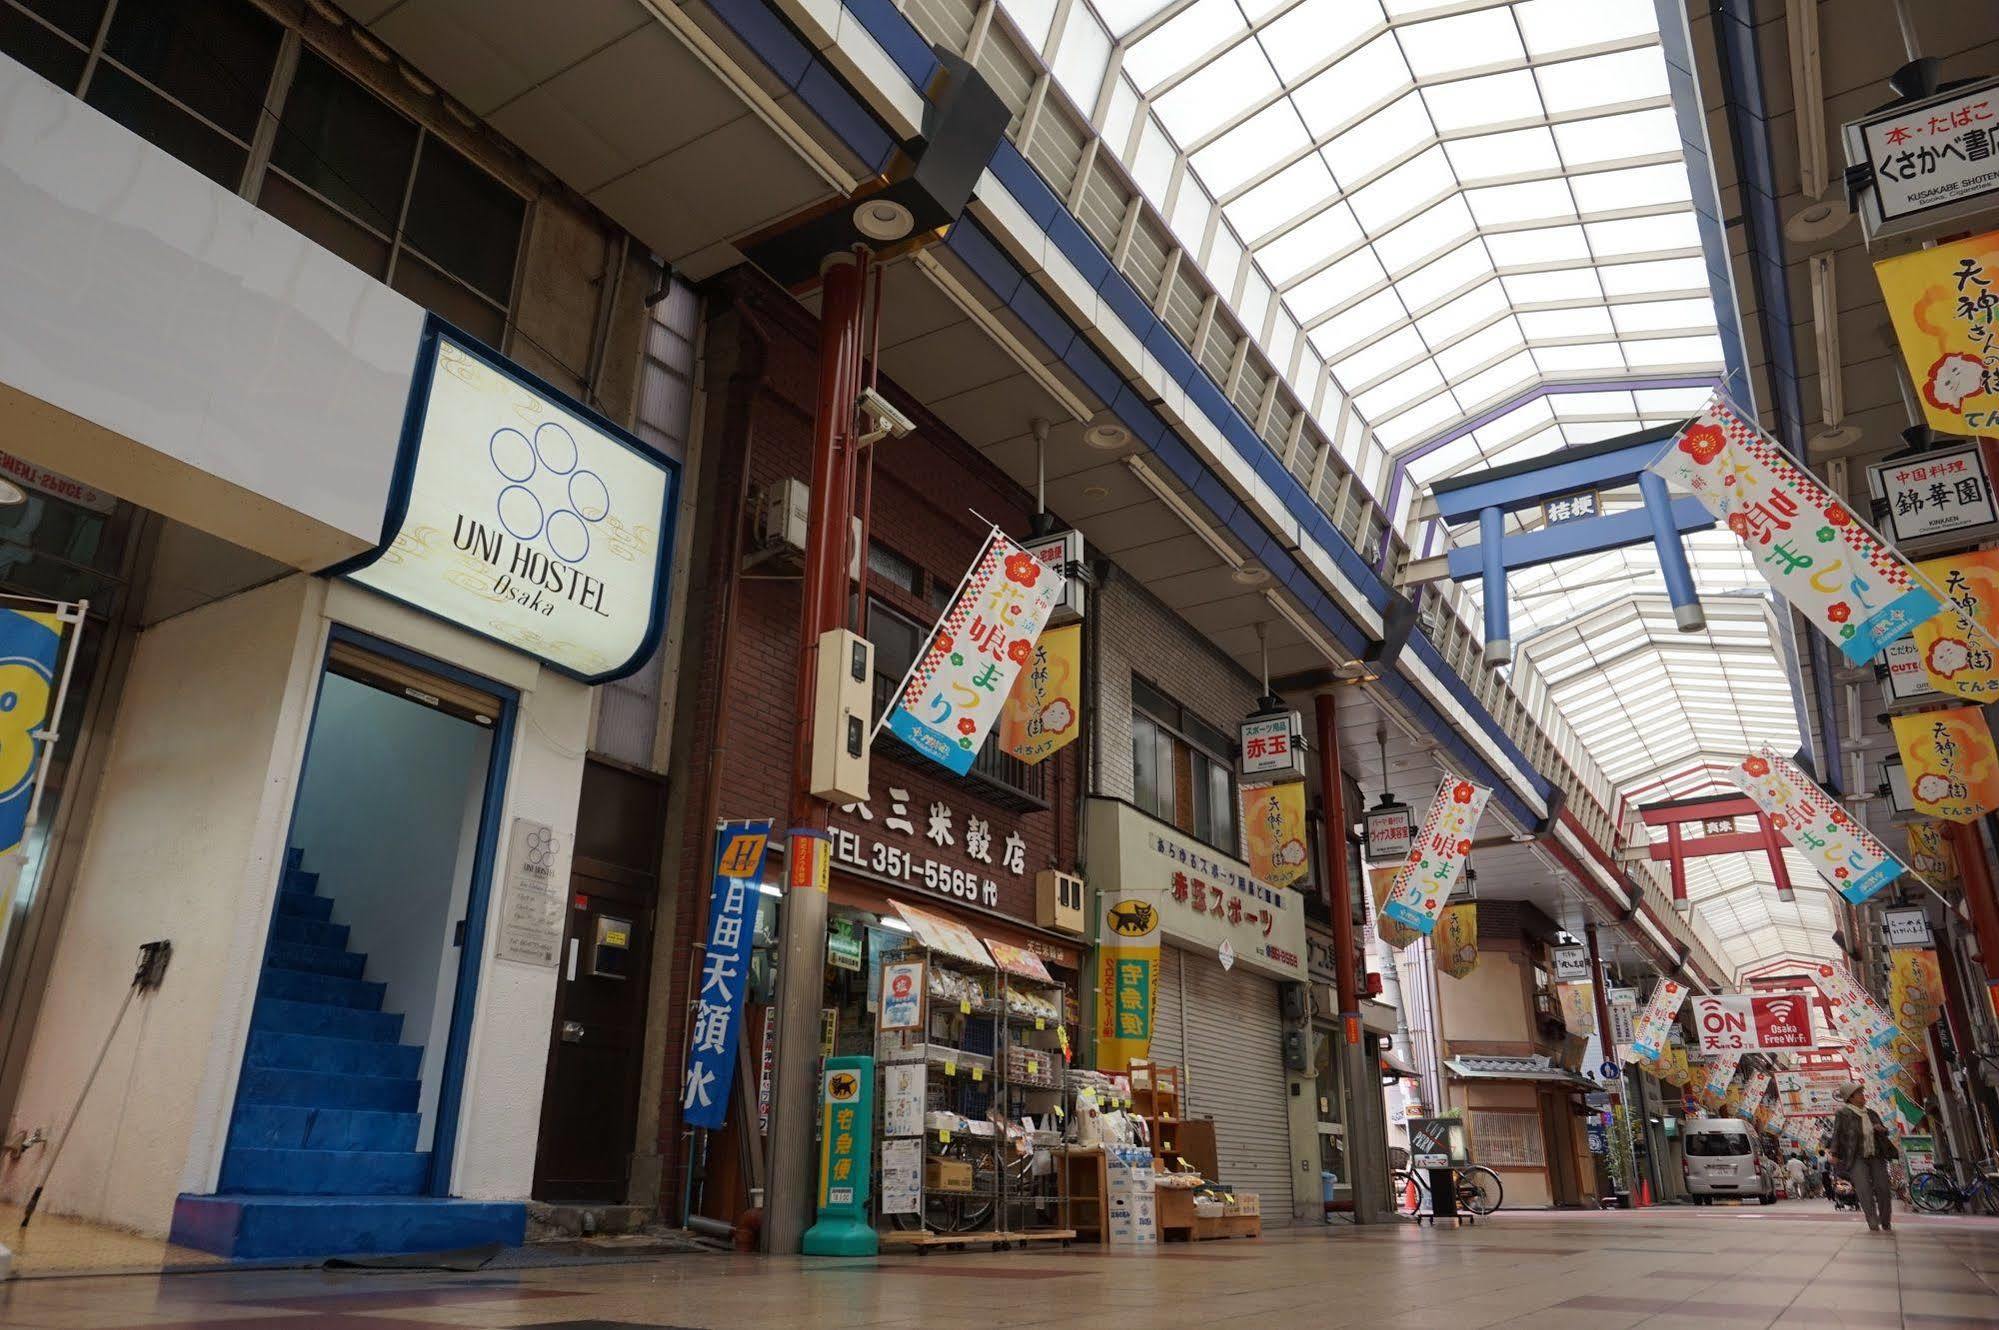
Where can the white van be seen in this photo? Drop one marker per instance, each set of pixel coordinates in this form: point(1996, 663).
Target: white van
point(1721, 1159)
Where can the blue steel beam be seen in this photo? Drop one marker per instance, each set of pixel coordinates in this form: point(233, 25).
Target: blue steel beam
point(1492, 540)
point(1607, 465)
point(1570, 540)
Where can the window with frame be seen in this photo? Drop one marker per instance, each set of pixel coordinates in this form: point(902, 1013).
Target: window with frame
point(1182, 771)
point(1504, 1140)
point(195, 78)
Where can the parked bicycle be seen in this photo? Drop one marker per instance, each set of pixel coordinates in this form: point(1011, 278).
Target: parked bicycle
point(1480, 1191)
point(1937, 1193)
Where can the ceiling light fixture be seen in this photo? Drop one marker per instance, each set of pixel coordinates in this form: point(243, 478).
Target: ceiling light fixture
point(1251, 574)
point(1096, 491)
point(883, 220)
point(1107, 438)
point(11, 494)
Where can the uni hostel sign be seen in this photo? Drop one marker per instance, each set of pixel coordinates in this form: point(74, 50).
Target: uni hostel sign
point(524, 516)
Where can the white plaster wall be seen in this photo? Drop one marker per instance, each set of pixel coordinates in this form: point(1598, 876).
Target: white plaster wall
point(185, 844)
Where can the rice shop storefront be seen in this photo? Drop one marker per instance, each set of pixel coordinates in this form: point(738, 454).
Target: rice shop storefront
point(1229, 1000)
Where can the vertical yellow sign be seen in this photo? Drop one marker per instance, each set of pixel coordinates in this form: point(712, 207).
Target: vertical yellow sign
point(1956, 644)
point(1128, 967)
point(1044, 709)
point(1457, 940)
point(1273, 829)
point(1948, 757)
point(1943, 303)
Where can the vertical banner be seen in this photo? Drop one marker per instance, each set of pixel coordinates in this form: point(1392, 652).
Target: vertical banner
point(725, 973)
point(1648, 1038)
point(1843, 851)
point(1949, 760)
point(30, 645)
point(1578, 1007)
point(1956, 644)
point(1915, 988)
point(1128, 967)
point(955, 689)
point(1853, 1006)
point(1623, 1004)
point(1438, 857)
point(1720, 1072)
point(1457, 940)
point(1273, 830)
point(1821, 558)
point(1044, 710)
point(1380, 882)
point(1943, 305)
point(1930, 852)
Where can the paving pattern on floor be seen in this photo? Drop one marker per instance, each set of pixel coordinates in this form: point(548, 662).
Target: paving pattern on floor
point(1794, 1265)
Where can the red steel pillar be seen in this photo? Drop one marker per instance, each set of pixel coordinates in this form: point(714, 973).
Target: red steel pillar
point(1326, 711)
point(1975, 869)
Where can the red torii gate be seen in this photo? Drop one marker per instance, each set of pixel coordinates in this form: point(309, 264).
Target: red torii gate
point(1673, 814)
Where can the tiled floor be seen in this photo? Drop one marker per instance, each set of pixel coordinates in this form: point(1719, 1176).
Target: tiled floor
point(1795, 1265)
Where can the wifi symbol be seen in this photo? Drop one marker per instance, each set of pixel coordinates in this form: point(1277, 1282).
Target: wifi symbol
point(1783, 1009)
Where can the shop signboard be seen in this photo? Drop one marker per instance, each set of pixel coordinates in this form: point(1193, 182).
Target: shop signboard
point(1438, 857)
point(1929, 162)
point(1572, 507)
point(522, 515)
point(766, 1070)
point(1844, 852)
point(34, 476)
point(1438, 1143)
point(1915, 988)
point(1942, 304)
point(1906, 926)
point(1662, 1009)
point(1934, 496)
point(1753, 1022)
point(1062, 551)
point(1390, 831)
point(1930, 851)
point(902, 995)
point(987, 852)
point(535, 903)
point(1128, 960)
point(846, 1149)
point(1957, 645)
point(1578, 1005)
point(1623, 1004)
point(1850, 583)
point(1456, 937)
point(1905, 680)
point(953, 693)
point(30, 649)
point(1572, 965)
point(725, 973)
point(1273, 832)
point(1044, 710)
point(1273, 748)
point(1948, 757)
point(843, 945)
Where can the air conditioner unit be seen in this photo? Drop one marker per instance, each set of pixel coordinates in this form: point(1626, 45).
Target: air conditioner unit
point(783, 517)
point(1058, 901)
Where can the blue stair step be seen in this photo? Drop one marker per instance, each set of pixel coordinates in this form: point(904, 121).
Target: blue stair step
point(297, 879)
point(255, 1172)
point(317, 960)
point(278, 1127)
point(298, 905)
point(294, 856)
point(355, 1057)
point(309, 932)
point(303, 986)
point(319, 1089)
point(285, 1017)
point(270, 1227)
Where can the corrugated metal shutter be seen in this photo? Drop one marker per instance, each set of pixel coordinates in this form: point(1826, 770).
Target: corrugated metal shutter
point(1234, 1068)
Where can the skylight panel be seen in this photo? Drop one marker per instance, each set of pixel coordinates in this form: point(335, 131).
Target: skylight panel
point(1639, 187)
point(1521, 420)
point(1124, 15)
point(1463, 265)
point(1463, 314)
point(1081, 57)
point(1363, 323)
point(1564, 25)
point(1541, 200)
point(1336, 285)
point(1032, 17)
point(1568, 359)
point(1250, 148)
point(1389, 134)
point(1402, 390)
point(1464, 41)
point(1427, 235)
point(1224, 260)
point(1369, 76)
point(1492, 156)
point(1464, 357)
point(1613, 138)
point(1508, 376)
point(1674, 351)
point(1548, 324)
point(1625, 279)
point(1602, 80)
point(1655, 315)
point(1672, 401)
point(1286, 196)
point(1373, 359)
point(1410, 185)
point(1331, 231)
point(1596, 431)
point(1182, 40)
point(1570, 405)
point(1442, 461)
point(1191, 209)
point(1553, 244)
point(1316, 31)
point(1152, 165)
point(1221, 90)
point(1420, 421)
point(1644, 235)
point(1119, 115)
point(1494, 100)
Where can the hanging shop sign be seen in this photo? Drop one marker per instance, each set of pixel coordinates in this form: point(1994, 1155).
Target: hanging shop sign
point(1273, 832)
point(846, 1149)
point(1380, 882)
point(1572, 508)
point(30, 650)
point(1578, 1004)
point(1623, 1004)
point(1273, 748)
point(843, 945)
point(1753, 1023)
point(725, 973)
point(1807, 544)
point(1390, 831)
point(1915, 988)
point(1843, 852)
point(1662, 1009)
point(1948, 757)
point(1201, 897)
point(520, 514)
point(1906, 926)
point(1903, 678)
point(1930, 852)
point(1928, 163)
point(1957, 644)
point(898, 853)
point(1062, 551)
point(1424, 882)
point(1572, 965)
point(1457, 940)
point(902, 995)
point(1044, 709)
point(1943, 492)
point(1128, 962)
point(1942, 304)
point(955, 688)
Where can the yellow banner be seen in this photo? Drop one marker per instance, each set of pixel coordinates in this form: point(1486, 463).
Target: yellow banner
point(1956, 644)
point(1673, 1064)
point(1578, 1007)
point(1943, 302)
point(1043, 710)
point(1381, 881)
point(1930, 852)
point(1915, 988)
point(1950, 764)
point(1273, 827)
point(1457, 940)
point(1127, 973)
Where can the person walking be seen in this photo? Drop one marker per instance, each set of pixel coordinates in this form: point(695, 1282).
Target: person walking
point(1861, 1149)
point(1794, 1169)
point(1825, 1173)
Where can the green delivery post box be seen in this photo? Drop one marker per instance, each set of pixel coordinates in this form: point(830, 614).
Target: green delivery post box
point(846, 1153)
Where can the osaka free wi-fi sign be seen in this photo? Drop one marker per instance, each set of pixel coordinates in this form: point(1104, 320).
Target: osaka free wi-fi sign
point(521, 514)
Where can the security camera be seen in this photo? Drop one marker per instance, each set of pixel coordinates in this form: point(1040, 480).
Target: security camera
point(884, 421)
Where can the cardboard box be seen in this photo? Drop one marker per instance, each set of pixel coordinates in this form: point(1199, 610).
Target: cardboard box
point(953, 1175)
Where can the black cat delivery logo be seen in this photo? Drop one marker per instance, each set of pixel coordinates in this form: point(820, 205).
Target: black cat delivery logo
point(1133, 918)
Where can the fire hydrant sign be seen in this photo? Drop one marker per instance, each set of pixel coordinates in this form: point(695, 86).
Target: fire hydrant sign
point(955, 690)
point(1648, 1038)
point(1434, 865)
point(1753, 1023)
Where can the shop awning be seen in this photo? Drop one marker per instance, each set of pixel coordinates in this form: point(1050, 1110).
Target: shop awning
point(1539, 1067)
point(1393, 1065)
point(945, 935)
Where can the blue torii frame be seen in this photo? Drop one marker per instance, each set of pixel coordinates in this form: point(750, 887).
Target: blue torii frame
point(1491, 494)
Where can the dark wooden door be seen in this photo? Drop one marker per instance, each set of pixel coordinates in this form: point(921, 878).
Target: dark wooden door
point(596, 1051)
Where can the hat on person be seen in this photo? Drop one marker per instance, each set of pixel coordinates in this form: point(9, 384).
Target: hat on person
point(1847, 1091)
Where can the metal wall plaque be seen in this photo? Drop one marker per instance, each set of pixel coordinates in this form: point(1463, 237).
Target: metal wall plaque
point(534, 900)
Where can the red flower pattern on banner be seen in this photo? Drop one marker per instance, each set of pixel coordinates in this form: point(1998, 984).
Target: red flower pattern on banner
point(1023, 568)
point(1462, 794)
point(1837, 515)
point(967, 725)
point(1020, 650)
point(1756, 766)
point(944, 642)
point(1703, 443)
point(1839, 611)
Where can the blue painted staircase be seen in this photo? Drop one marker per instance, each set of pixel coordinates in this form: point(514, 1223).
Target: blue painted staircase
point(321, 1158)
